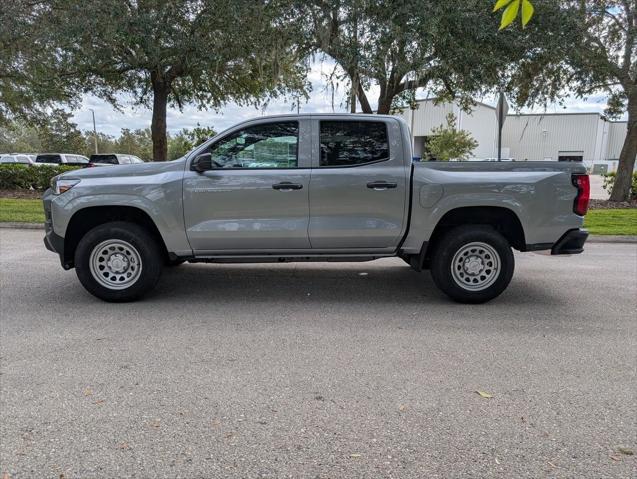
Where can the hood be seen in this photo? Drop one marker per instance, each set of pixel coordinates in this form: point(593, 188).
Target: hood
point(137, 169)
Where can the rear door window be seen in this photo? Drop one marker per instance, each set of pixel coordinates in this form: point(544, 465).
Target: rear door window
point(353, 143)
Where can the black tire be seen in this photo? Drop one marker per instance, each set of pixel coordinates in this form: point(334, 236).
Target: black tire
point(147, 252)
point(472, 263)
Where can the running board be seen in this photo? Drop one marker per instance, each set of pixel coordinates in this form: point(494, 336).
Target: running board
point(274, 258)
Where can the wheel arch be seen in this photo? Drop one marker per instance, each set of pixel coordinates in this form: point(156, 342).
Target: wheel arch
point(502, 219)
point(88, 218)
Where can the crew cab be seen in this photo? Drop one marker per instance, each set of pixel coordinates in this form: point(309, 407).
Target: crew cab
point(313, 188)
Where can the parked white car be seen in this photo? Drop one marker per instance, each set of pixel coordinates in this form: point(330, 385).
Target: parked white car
point(20, 158)
point(114, 159)
point(61, 159)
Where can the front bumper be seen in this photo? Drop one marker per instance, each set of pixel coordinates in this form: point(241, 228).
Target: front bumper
point(572, 242)
point(52, 241)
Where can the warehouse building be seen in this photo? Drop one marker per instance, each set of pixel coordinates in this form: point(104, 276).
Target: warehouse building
point(585, 137)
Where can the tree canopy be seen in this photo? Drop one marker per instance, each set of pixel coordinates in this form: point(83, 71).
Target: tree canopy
point(29, 81)
point(452, 49)
point(174, 52)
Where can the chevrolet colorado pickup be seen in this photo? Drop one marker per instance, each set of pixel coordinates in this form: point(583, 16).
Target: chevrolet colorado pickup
point(313, 188)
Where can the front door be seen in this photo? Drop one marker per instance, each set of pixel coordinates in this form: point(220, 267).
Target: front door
point(359, 186)
point(255, 199)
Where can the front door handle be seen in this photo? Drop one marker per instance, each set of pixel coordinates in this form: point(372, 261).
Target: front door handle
point(381, 185)
point(287, 186)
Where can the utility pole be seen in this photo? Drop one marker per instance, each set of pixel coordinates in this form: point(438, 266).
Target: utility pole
point(501, 111)
point(94, 130)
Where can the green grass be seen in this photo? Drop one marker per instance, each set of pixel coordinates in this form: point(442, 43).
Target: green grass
point(21, 211)
point(598, 222)
point(612, 222)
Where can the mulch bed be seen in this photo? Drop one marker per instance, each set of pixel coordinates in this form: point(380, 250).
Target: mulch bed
point(21, 194)
point(611, 205)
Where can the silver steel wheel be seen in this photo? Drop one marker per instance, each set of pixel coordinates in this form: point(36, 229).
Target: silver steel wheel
point(475, 266)
point(115, 264)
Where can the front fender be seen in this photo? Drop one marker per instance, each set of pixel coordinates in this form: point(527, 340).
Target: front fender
point(165, 212)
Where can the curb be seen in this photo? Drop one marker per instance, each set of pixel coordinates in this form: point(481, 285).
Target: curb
point(23, 226)
point(612, 239)
point(591, 238)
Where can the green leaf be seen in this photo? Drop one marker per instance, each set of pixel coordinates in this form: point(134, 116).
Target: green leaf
point(509, 14)
point(527, 12)
point(485, 395)
point(499, 4)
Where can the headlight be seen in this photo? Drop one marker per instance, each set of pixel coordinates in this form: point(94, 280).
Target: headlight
point(61, 185)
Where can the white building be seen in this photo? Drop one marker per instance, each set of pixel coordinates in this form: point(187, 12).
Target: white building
point(585, 137)
point(481, 123)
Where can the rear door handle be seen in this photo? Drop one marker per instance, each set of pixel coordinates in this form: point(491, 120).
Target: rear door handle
point(381, 185)
point(287, 186)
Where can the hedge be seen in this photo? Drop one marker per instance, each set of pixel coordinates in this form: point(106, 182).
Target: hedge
point(609, 181)
point(23, 177)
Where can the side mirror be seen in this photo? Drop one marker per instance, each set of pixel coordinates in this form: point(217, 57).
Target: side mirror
point(202, 163)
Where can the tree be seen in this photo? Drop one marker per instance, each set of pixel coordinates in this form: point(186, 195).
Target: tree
point(445, 47)
point(597, 55)
point(29, 83)
point(136, 142)
point(449, 143)
point(61, 135)
point(174, 52)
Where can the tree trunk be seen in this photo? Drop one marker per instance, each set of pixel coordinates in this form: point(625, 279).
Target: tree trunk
point(158, 124)
point(623, 180)
point(362, 99)
point(384, 104)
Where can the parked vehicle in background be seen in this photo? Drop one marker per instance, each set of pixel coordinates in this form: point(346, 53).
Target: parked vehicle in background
point(113, 159)
point(61, 159)
point(20, 158)
point(314, 188)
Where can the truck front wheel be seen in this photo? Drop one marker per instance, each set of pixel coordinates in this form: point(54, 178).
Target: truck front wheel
point(472, 264)
point(118, 261)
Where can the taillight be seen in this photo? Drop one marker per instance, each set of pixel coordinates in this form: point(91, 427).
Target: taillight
point(583, 185)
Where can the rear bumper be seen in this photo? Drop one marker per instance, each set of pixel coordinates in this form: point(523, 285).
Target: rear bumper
point(572, 242)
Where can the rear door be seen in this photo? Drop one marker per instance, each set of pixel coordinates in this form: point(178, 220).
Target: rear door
point(359, 185)
point(256, 198)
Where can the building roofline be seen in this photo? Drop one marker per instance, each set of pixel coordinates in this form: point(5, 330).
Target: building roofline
point(422, 100)
point(568, 113)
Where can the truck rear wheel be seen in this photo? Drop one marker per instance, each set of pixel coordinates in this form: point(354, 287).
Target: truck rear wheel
point(472, 264)
point(118, 261)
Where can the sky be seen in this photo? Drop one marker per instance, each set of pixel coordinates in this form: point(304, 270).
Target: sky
point(110, 121)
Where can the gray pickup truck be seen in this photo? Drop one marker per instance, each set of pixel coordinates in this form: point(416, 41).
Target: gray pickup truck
point(313, 188)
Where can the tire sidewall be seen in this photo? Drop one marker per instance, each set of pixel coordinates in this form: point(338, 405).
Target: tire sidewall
point(455, 239)
point(139, 238)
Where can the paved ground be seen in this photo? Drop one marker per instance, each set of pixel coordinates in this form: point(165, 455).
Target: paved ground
point(319, 370)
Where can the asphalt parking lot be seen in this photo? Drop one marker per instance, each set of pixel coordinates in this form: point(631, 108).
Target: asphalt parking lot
point(319, 371)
